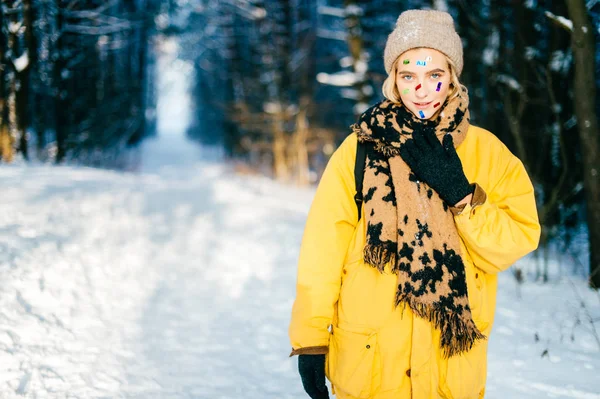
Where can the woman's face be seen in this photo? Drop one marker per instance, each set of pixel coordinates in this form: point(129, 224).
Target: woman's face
point(423, 81)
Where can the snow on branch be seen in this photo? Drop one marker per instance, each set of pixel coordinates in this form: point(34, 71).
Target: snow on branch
point(331, 34)
point(22, 62)
point(331, 11)
point(247, 9)
point(96, 30)
point(510, 82)
point(342, 79)
point(350, 10)
point(562, 21)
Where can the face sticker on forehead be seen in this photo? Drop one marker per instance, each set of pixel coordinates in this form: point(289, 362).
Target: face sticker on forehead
point(405, 62)
point(428, 58)
point(421, 63)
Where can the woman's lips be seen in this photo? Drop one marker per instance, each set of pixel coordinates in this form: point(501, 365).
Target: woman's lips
point(422, 105)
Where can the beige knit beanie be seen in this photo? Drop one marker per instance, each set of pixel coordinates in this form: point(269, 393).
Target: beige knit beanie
point(424, 28)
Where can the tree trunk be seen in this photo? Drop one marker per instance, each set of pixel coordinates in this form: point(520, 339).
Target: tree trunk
point(300, 141)
point(3, 91)
point(10, 134)
point(59, 87)
point(24, 78)
point(356, 48)
point(582, 43)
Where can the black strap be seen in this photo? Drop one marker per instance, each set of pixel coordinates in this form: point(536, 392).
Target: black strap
point(359, 172)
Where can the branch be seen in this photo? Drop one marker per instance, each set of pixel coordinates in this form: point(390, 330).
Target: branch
point(563, 22)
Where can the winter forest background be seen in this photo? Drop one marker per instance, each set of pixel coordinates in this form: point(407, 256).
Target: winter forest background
point(270, 87)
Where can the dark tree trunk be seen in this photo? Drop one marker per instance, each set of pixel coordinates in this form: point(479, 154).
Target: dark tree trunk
point(24, 78)
point(61, 122)
point(3, 91)
point(582, 43)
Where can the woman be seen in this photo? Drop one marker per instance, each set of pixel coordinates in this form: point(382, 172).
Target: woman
point(400, 303)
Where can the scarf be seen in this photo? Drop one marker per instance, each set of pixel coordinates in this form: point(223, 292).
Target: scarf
point(408, 224)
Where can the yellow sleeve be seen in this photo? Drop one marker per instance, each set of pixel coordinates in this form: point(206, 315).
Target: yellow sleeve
point(505, 227)
point(329, 229)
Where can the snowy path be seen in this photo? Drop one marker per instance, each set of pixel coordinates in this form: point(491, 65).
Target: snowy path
point(151, 286)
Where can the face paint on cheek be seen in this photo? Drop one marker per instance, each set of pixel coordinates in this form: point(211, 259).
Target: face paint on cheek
point(405, 91)
point(436, 105)
point(439, 86)
point(421, 114)
point(418, 86)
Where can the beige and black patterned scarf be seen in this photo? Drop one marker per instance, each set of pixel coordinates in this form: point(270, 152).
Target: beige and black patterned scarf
point(408, 224)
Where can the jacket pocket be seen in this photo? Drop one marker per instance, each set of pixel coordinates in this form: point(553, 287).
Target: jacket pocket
point(353, 363)
point(464, 376)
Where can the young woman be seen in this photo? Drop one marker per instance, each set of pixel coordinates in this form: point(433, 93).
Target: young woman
point(400, 303)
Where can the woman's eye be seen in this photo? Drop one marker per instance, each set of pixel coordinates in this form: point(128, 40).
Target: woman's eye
point(435, 75)
point(407, 77)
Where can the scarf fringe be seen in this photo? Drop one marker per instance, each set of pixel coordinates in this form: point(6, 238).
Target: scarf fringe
point(458, 335)
point(378, 256)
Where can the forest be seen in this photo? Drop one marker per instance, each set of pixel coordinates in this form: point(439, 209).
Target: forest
point(277, 84)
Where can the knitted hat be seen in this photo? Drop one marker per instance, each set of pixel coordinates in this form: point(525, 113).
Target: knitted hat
point(424, 28)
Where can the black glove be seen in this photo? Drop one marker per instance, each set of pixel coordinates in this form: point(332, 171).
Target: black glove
point(437, 164)
point(312, 372)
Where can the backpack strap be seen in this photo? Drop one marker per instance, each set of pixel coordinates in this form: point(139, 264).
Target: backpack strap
point(359, 172)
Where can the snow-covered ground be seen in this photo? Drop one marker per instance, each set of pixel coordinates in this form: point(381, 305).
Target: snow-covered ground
point(178, 281)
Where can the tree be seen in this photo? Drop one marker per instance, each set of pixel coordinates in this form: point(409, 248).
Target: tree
point(582, 43)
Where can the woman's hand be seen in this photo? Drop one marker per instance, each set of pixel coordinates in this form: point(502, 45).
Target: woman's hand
point(312, 372)
point(438, 165)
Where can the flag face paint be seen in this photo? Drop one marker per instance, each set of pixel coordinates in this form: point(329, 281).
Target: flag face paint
point(436, 105)
point(405, 62)
point(421, 63)
point(421, 114)
point(439, 86)
point(418, 86)
point(405, 91)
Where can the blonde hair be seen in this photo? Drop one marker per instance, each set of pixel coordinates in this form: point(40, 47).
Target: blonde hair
point(390, 89)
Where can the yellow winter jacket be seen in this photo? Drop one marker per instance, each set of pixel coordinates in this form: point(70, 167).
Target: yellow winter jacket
point(346, 308)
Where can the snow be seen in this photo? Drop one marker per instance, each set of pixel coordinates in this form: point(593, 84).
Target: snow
point(510, 81)
point(565, 22)
point(531, 4)
point(560, 62)
point(177, 281)
point(361, 67)
point(22, 62)
point(346, 62)
point(490, 52)
point(331, 11)
point(342, 78)
point(531, 52)
point(332, 34)
point(440, 5)
point(354, 10)
point(14, 27)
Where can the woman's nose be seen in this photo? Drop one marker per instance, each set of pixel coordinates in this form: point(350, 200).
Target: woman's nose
point(421, 91)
